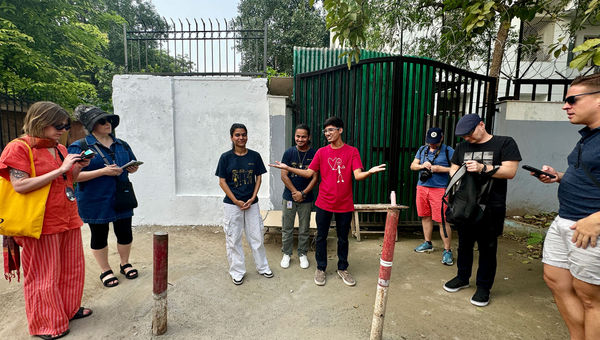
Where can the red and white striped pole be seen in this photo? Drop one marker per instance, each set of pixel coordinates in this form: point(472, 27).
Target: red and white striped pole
point(385, 269)
point(159, 290)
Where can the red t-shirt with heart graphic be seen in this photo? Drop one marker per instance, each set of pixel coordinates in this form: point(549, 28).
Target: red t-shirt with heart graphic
point(336, 167)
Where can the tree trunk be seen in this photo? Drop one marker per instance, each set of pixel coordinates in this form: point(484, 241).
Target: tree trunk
point(498, 54)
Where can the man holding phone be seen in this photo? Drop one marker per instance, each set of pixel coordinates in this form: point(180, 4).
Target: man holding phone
point(571, 268)
point(496, 159)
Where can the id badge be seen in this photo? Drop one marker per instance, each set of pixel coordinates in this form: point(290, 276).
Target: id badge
point(289, 204)
point(70, 194)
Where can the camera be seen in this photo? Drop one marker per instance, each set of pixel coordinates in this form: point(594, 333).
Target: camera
point(425, 174)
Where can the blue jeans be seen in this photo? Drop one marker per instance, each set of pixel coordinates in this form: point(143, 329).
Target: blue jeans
point(342, 226)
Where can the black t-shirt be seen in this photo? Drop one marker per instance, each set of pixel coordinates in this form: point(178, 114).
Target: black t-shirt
point(493, 152)
point(299, 160)
point(240, 173)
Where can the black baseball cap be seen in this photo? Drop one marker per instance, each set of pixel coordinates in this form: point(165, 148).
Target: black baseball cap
point(466, 124)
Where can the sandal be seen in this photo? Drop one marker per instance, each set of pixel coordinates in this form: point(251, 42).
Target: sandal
point(81, 313)
point(111, 282)
point(131, 274)
point(52, 337)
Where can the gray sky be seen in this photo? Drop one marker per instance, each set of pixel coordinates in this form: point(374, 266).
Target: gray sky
point(221, 9)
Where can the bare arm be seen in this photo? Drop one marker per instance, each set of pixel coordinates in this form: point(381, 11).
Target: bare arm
point(300, 172)
point(416, 166)
point(248, 203)
point(507, 170)
point(287, 181)
point(550, 170)
point(111, 170)
point(453, 169)
point(23, 184)
point(229, 193)
point(360, 175)
point(312, 184)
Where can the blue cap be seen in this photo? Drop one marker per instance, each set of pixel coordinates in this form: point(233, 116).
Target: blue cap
point(466, 124)
point(434, 135)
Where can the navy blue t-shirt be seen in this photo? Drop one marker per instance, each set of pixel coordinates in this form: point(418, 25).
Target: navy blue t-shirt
point(578, 196)
point(439, 179)
point(299, 160)
point(240, 173)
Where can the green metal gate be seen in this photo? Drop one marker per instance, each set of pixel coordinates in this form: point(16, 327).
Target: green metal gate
point(387, 104)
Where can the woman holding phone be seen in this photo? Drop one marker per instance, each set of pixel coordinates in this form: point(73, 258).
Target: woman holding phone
point(96, 189)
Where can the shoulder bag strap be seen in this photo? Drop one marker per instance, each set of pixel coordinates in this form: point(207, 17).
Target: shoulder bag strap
point(95, 146)
point(30, 156)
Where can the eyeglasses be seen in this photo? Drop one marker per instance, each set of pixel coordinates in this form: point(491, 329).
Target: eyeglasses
point(330, 130)
point(102, 121)
point(572, 99)
point(62, 126)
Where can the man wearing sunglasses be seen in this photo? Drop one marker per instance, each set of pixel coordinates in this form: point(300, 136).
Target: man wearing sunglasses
point(494, 160)
point(571, 268)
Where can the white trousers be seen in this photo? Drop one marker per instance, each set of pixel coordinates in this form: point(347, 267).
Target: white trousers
point(249, 221)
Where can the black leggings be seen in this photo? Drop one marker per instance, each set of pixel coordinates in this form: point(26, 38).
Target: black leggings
point(122, 229)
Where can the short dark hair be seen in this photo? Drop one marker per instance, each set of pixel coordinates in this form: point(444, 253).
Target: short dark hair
point(335, 121)
point(303, 126)
point(592, 82)
point(237, 126)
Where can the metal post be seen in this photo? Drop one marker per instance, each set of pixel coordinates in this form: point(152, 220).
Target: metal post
point(159, 291)
point(265, 51)
point(385, 269)
point(125, 45)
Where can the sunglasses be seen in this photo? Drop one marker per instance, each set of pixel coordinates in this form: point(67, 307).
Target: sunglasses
point(103, 121)
point(573, 99)
point(62, 126)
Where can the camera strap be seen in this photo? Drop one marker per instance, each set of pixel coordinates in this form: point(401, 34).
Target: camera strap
point(426, 154)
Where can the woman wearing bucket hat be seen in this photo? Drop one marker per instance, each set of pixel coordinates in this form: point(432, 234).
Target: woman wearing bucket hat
point(97, 187)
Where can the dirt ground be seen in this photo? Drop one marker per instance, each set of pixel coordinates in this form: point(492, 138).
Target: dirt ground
point(205, 304)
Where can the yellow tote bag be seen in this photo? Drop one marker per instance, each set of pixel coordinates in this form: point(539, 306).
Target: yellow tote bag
point(22, 214)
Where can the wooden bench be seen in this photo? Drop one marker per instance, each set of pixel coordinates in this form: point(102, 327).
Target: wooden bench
point(272, 219)
point(358, 208)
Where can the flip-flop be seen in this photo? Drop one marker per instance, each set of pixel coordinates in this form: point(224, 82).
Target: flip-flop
point(131, 274)
point(80, 313)
point(52, 337)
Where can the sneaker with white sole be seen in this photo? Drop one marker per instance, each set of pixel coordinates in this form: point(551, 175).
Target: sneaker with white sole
point(447, 257)
point(455, 285)
point(320, 277)
point(237, 282)
point(285, 261)
point(268, 274)
point(303, 261)
point(424, 247)
point(346, 277)
point(481, 298)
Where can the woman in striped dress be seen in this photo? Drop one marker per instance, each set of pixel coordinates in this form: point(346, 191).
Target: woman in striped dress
point(53, 265)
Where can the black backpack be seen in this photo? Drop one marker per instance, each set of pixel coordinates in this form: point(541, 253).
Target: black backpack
point(465, 197)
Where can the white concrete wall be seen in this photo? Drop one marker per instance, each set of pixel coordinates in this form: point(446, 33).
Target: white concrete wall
point(544, 136)
point(179, 126)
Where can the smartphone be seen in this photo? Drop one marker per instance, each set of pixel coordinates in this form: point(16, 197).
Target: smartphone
point(537, 172)
point(132, 163)
point(88, 154)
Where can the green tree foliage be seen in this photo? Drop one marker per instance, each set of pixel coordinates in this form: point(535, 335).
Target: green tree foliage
point(68, 51)
point(289, 23)
point(458, 30)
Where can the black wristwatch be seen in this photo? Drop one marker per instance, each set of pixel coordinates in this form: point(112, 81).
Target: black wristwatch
point(303, 194)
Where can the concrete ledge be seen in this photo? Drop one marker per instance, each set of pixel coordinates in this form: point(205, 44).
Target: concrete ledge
point(522, 228)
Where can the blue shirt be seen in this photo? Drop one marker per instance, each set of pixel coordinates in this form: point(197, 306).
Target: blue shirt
point(299, 160)
point(240, 173)
point(439, 179)
point(96, 197)
point(578, 195)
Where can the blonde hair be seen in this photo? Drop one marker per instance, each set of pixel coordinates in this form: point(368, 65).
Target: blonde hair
point(43, 114)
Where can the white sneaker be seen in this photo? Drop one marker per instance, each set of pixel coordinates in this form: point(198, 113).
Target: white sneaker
point(285, 261)
point(303, 262)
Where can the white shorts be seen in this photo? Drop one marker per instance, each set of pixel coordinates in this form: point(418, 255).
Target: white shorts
point(559, 251)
